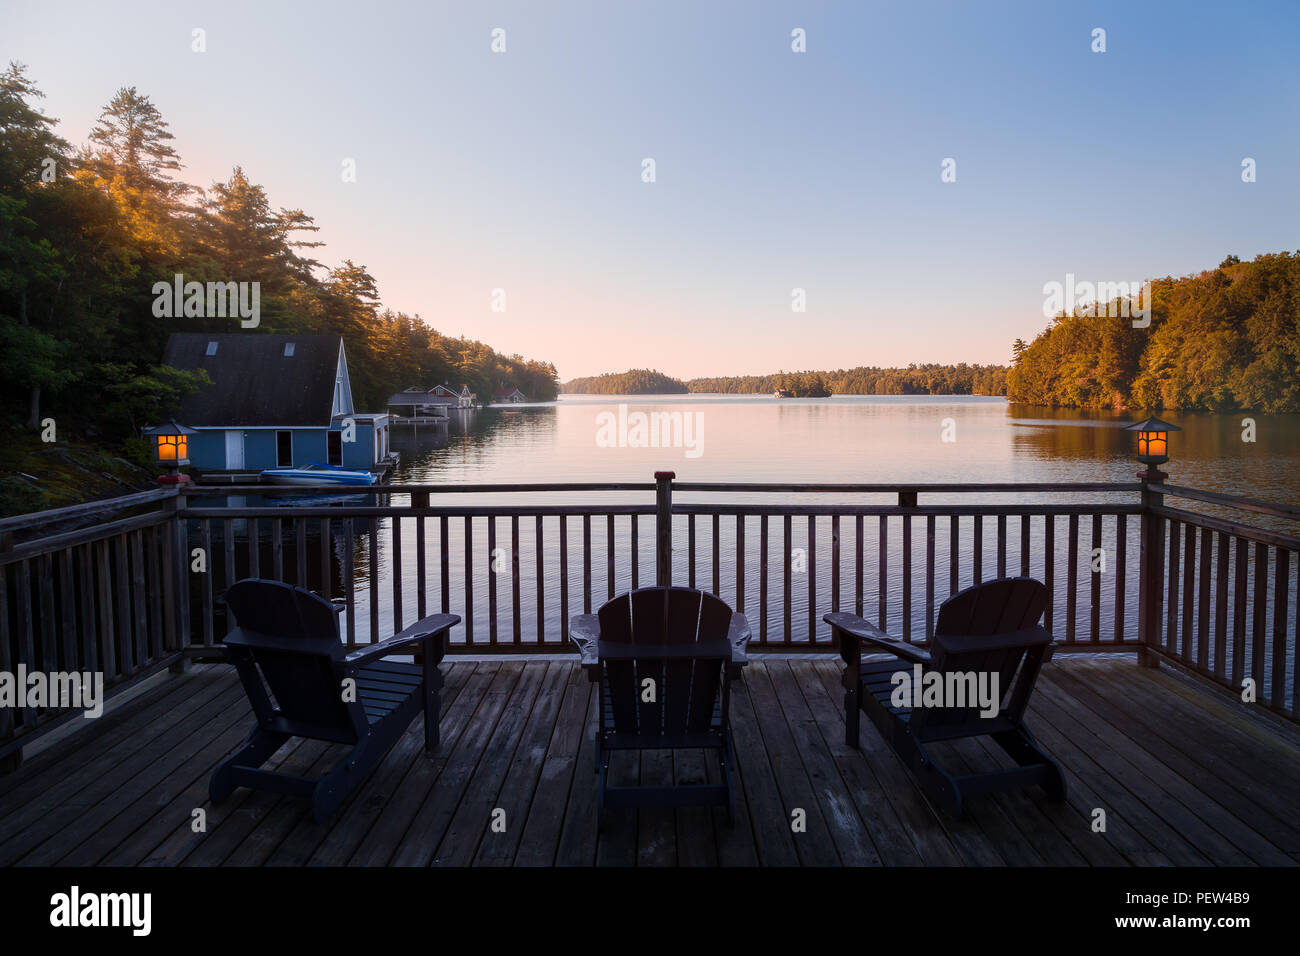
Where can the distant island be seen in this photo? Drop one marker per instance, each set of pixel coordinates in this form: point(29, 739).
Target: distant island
point(926, 379)
point(636, 381)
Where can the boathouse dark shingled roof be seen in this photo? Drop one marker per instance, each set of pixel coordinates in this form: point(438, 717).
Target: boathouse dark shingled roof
point(253, 382)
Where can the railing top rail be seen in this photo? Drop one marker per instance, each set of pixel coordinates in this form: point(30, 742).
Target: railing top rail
point(19, 522)
point(1249, 532)
point(451, 511)
point(202, 491)
point(1239, 502)
point(920, 487)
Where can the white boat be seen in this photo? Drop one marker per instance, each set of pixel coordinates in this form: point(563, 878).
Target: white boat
point(317, 473)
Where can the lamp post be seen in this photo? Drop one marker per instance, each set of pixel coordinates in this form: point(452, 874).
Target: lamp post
point(1153, 446)
point(1152, 451)
point(171, 447)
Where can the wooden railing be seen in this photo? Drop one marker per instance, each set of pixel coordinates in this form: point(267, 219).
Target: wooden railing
point(142, 587)
point(1225, 594)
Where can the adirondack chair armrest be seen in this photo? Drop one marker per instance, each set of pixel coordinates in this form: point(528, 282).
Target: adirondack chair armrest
point(584, 630)
point(871, 639)
point(422, 630)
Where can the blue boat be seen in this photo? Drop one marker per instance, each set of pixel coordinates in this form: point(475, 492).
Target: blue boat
point(318, 473)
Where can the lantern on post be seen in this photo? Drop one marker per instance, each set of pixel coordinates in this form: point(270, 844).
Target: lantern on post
point(171, 449)
point(1153, 446)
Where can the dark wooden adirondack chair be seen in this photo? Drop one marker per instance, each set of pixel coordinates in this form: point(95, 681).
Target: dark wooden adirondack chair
point(992, 628)
point(287, 643)
point(663, 658)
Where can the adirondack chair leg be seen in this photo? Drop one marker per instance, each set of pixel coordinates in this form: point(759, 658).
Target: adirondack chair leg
point(852, 719)
point(938, 785)
point(1020, 745)
point(432, 699)
point(257, 747)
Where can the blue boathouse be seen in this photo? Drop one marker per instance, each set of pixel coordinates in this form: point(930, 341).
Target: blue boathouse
point(276, 401)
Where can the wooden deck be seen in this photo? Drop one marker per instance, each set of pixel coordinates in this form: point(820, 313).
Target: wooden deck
point(1185, 776)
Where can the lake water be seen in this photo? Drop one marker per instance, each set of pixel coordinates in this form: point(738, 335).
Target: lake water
point(868, 439)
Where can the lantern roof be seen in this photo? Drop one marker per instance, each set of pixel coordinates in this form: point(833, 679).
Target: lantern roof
point(170, 428)
point(1151, 424)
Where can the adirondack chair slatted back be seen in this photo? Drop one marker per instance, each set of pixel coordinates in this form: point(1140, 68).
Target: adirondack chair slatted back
point(998, 607)
point(287, 643)
point(685, 689)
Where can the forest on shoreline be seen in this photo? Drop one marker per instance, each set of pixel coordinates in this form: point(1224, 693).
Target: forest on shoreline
point(86, 233)
point(929, 379)
point(1226, 339)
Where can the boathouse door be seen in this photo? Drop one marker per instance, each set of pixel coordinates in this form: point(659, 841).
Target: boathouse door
point(235, 449)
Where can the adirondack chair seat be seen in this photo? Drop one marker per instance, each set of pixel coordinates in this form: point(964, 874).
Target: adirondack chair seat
point(301, 682)
point(991, 628)
point(688, 646)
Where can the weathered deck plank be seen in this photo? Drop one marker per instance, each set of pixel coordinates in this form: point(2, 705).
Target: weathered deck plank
point(1187, 776)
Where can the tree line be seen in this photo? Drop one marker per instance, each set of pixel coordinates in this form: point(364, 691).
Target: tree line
point(1223, 340)
point(85, 234)
point(636, 381)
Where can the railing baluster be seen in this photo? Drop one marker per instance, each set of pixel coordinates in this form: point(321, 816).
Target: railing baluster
point(205, 542)
point(108, 659)
point(1071, 578)
point(1002, 546)
point(300, 548)
point(421, 567)
point(154, 586)
point(467, 570)
point(882, 575)
point(907, 578)
point(327, 558)
point(609, 558)
point(762, 579)
point(857, 565)
point(277, 548)
point(127, 661)
point(740, 564)
point(1121, 573)
point(635, 549)
point(564, 578)
point(788, 637)
point(45, 586)
point(375, 524)
point(138, 599)
point(349, 577)
point(1189, 590)
point(254, 546)
point(89, 644)
point(812, 579)
point(1257, 653)
point(954, 552)
point(690, 549)
point(444, 560)
point(492, 578)
point(1094, 606)
point(26, 649)
point(1203, 604)
point(586, 564)
point(977, 573)
point(929, 577)
point(6, 657)
point(835, 562)
point(1049, 571)
point(541, 595)
point(395, 570)
point(68, 608)
point(1024, 545)
point(1171, 611)
point(1221, 606)
point(1281, 582)
point(1240, 570)
point(717, 556)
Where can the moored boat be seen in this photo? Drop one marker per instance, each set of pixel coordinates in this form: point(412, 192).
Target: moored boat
point(318, 473)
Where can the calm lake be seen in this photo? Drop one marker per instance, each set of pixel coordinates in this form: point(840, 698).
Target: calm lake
point(867, 439)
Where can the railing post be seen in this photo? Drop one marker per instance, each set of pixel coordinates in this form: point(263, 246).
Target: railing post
point(1151, 569)
point(664, 528)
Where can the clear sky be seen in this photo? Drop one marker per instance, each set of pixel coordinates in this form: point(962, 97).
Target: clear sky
point(819, 170)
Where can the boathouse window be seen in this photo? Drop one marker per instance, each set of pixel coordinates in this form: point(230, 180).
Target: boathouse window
point(284, 449)
point(212, 348)
point(288, 350)
point(334, 440)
